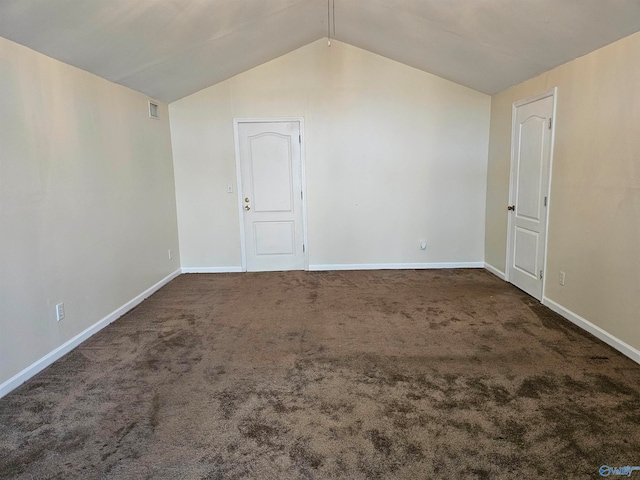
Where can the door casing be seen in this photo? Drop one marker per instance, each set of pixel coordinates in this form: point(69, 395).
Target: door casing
point(510, 230)
point(236, 136)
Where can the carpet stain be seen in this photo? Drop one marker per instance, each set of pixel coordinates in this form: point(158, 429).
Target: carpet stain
point(261, 433)
point(154, 416)
point(305, 458)
point(533, 387)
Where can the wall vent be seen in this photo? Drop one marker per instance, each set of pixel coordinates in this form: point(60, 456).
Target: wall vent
point(153, 110)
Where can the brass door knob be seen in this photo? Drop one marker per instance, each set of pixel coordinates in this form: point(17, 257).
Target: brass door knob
point(247, 207)
point(246, 199)
point(511, 207)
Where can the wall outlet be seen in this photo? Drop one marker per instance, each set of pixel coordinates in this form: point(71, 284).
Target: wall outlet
point(60, 311)
point(230, 188)
point(423, 244)
point(562, 278)
point(170, 254)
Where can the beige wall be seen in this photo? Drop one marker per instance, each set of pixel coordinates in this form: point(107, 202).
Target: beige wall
point(87, 207)
point(594, 223)
point(393, 155)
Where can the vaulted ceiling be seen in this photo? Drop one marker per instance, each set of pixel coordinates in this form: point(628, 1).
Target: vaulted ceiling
point(168, 49)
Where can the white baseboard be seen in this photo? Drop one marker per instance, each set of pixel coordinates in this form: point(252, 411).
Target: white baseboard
point(211, 269)
point(394, 266)
point(349, 266)
point(498, 273)
point(606, 337)
point(21, 377)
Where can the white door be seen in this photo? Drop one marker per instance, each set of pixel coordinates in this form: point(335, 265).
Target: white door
point(530, 167)
point(271, 195)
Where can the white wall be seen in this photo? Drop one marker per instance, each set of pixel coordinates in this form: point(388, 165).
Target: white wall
point(393, 155)
point(87, 204)
point(594, 208)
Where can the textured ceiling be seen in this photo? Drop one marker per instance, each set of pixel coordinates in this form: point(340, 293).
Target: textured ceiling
point(168, 49)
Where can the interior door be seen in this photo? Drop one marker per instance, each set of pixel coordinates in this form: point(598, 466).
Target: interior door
point(271, 195)
point(529, 195)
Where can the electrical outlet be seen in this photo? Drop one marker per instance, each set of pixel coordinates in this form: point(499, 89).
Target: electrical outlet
point(170, 254)
point(230, 188)
point(423, 244)
point(562, 278)
point(60, 311)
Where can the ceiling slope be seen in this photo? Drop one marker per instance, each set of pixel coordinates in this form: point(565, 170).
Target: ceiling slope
point(168, 49)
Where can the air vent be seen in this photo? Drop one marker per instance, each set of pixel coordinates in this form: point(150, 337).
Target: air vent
point(153, 110)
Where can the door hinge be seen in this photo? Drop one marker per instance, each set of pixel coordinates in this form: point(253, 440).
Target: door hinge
point(301, 198)
point(303, 250)
point(540, 274)
point(550, 123)
point(545, 201)
point(300, 138)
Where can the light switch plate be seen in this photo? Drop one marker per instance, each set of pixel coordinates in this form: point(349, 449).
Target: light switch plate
point(60, 311)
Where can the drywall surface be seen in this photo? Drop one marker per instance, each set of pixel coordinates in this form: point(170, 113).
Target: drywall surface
point(87, 202)
point(594, 209)
point(393, 155)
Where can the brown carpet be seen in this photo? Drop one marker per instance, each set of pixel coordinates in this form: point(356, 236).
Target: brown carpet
point(359, 375)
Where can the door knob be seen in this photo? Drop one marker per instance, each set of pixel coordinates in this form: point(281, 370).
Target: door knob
point(246, 199)
point(247, 207)
point(511, 207)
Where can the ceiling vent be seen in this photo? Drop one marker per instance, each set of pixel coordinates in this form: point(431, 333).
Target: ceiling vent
point(153, 110)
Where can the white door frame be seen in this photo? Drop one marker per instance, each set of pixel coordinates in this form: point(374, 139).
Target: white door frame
point(303, 180)
point(549, 93)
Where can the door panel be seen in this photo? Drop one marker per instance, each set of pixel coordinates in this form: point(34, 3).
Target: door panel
point(529, 190)
point(271, 159)
point(271, 192)
point(526, 247)
point(530, 160)
point(274, 238)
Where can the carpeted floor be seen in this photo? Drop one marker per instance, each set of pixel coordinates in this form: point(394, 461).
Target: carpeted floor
point(358, 375)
